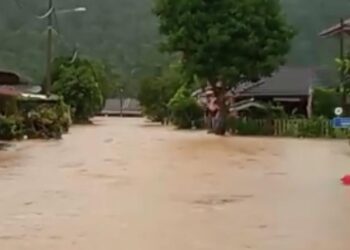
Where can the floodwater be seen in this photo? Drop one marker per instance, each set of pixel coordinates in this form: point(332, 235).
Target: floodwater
point(125, 184)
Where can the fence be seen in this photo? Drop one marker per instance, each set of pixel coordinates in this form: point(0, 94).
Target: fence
point(313, 128)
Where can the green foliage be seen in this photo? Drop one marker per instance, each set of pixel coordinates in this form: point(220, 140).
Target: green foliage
point(230, 40)
point(276, 111)
point(11, 128)
point(79, 86)
point(311, 128)
point(124, 34)
point(8, 105)
point(36, 120)
point(45, 122)
point(110, 31)
point(308, 128)
point(103, 75)
point(250, 126)
point(325, 101)
point(156, 92)
point(344, 69)
point(184, 110)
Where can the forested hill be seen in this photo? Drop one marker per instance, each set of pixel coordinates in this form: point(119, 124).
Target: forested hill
point(124, 33)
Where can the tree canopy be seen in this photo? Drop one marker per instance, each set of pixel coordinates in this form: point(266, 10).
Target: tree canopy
point(123, 33)
point(79, 85)
point(229, 40)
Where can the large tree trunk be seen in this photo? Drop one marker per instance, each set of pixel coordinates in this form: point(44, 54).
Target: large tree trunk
point(209, 119)
point(221, 116)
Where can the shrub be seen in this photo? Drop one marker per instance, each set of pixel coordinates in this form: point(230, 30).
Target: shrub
point(156, 92)
point(11, 128)
point(41, 121)
point(80, 91)
point(312, 128)
point(309, 128)
point(102, 74)
point(325, 100)
point(250, 126)
point(46, 122)
point(185, 111)
point(8, 105)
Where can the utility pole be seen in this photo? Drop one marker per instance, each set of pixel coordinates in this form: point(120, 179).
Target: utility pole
point(49, 53)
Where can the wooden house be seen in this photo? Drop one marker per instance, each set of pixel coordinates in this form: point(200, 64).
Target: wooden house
point(289, 87)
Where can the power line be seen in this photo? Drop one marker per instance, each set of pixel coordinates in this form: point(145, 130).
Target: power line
point(24, 8)
point(57, 27)
point(61, 37)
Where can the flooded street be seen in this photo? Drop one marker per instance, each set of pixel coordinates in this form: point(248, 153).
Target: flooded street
point(125, 184)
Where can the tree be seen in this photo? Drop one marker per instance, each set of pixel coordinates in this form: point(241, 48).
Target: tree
point(80, 90)
point(124, 34)
point(104, 76)
point(185, 112)
point(325, 100)
point(225, 41)
point(156, 92)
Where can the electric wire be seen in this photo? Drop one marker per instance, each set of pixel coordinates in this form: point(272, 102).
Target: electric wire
point(24, 8)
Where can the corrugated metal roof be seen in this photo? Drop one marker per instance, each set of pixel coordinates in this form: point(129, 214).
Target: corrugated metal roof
point(286, 82)
point(336, 29)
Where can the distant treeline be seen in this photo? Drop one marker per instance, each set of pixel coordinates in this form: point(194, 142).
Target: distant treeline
point(124, 34)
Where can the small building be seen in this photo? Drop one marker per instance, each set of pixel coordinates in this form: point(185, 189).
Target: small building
point(289, 87)
point(127, 107)
point(17, 92)
point(10, 80)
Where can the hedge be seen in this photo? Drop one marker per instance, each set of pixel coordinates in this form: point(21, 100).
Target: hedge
point(308, 128)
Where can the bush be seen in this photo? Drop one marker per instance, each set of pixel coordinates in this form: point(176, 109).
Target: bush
point(60, 108)
point(325, 100)
point(8, 105)
point(36, 121)
point(308, 128)
point(156, 92)
point(185, 112)
point(11, 128)
point(312, 128)
point(103, 75)
point(78, 86)
point(250, 126)
point(46, 122)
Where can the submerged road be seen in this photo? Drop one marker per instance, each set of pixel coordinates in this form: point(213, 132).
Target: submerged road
point(125, 184)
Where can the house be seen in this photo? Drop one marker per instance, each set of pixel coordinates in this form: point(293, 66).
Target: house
point(12, 80)
point(290, 87)
point(122, 107)
point(16, 90)
point(9, 92)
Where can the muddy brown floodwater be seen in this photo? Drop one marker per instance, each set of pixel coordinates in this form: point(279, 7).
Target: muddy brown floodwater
point(125, 184)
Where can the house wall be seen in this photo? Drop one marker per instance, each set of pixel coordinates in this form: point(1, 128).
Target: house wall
point(289, 106)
